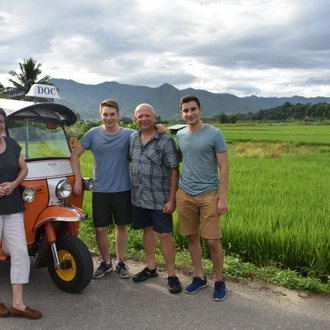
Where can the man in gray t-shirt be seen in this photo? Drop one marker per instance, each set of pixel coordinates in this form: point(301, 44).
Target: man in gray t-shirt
point(199, 200)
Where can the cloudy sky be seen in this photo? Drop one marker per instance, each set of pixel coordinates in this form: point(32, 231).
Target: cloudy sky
point(242, 47)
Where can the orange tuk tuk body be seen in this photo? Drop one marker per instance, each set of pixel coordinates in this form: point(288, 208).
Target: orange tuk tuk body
point(53, 213)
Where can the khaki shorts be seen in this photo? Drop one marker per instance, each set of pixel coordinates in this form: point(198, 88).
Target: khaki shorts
point(199, 213)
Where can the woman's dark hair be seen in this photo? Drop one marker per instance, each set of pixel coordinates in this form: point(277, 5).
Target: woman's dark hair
point(2, 112)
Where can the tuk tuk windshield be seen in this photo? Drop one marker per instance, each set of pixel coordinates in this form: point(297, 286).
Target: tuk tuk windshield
point(40, 139)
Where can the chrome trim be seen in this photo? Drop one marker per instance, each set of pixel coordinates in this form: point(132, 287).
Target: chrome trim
point(28, 195)
point(61, 190)
point(55, 256)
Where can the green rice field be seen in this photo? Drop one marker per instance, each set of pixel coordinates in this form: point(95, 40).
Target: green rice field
point(301, 134)
point(278, 197)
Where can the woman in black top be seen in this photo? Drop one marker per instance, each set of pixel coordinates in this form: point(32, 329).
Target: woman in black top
point(13, 170)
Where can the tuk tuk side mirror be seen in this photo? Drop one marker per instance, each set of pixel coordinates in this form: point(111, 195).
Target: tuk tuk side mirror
point(73, 141)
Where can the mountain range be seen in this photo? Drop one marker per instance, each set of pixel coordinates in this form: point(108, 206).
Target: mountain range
point(85, 99)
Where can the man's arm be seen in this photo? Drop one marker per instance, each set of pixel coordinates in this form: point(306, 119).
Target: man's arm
point(222, 158)
point(75, 164)
point(169, 207)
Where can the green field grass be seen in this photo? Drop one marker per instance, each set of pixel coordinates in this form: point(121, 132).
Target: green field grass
point(278, 198)
point(299, 134)
point(279, 211)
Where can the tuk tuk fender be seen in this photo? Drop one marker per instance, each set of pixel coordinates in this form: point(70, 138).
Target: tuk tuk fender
point(67, 213)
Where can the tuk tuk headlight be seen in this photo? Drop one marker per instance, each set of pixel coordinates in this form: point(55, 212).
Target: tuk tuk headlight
point(63, 189)
point(28, 195)
point(88, 183)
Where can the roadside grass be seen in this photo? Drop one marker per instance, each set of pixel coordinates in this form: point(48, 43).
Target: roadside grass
point(277, 229)
point(233, 265)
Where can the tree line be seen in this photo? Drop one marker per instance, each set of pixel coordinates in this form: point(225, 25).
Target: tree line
point(286, 112)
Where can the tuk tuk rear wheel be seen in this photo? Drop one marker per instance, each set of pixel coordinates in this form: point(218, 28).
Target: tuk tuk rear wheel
point(78, 272)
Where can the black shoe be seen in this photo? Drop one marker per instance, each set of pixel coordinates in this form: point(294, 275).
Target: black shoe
point(145, 274)
point(174, 285)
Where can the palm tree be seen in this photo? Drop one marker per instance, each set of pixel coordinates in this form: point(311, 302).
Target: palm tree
point(2, 91)
point(30, 70)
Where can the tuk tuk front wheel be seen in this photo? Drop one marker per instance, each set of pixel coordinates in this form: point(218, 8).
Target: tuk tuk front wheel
point(76, 261)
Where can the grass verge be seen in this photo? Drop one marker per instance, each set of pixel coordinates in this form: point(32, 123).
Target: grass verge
point(233, 265)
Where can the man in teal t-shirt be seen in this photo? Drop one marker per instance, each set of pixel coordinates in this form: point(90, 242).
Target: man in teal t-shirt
point(199, 200)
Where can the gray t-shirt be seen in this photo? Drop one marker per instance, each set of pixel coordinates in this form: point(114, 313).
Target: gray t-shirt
point(111, 163)
point(199, 173)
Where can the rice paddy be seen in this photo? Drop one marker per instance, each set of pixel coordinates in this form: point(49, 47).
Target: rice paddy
point(278, 197)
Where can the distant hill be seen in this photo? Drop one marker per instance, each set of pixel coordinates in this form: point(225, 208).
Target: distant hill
point(165, 99)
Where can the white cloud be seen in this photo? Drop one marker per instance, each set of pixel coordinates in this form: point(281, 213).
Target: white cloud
point(243, 47)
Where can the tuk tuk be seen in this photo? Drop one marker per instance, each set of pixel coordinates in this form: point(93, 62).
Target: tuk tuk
point(53, 213)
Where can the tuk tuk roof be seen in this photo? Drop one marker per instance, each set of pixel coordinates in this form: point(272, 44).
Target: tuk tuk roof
point(20, 109)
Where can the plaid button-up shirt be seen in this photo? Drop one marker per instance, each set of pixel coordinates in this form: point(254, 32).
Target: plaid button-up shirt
point(151, 170)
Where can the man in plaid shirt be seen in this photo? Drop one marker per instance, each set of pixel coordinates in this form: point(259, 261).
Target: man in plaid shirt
point(155, 174)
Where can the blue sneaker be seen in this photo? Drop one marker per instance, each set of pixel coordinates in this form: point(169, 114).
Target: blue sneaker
point(219, 290)
point(197, 284)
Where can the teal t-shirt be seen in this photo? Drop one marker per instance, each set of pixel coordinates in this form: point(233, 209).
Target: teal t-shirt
point(199, 173)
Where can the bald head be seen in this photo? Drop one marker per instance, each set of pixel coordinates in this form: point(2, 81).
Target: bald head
point(145, 116)
point(145, 106)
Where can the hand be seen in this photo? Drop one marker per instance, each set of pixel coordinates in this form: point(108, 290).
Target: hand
point(169, 207)
point(2, 190)
point(222, 205)
point(9, 187)
point(77, 187)
point(160, 129)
